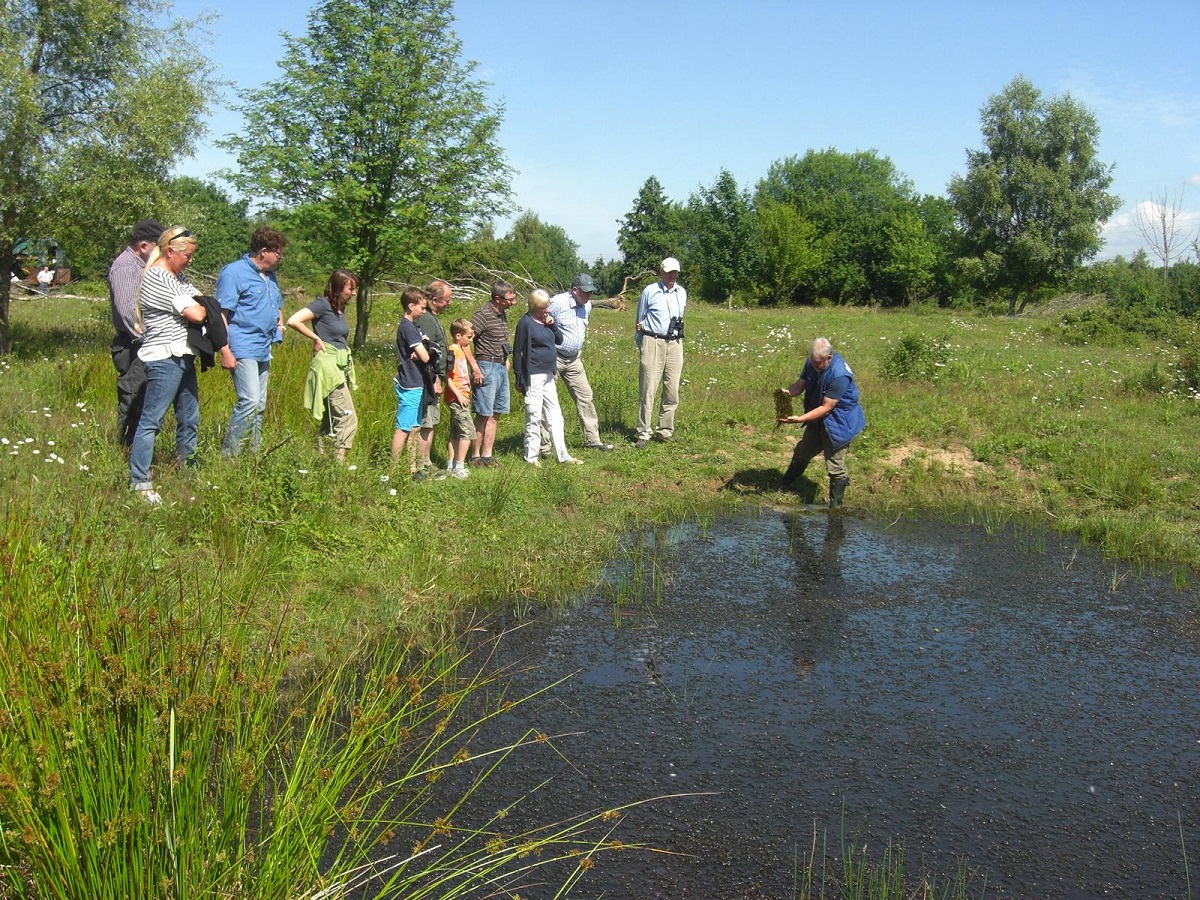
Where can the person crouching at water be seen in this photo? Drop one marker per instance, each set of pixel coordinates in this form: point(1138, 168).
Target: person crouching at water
point(331, 372)
point(832, 417)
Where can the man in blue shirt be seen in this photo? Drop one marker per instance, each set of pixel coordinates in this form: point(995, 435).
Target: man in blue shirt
point(659, 337)
point(832, 417)
point(248, 293)
point(570, 310)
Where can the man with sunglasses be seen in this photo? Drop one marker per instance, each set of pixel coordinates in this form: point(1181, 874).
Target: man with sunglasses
point(249, 295)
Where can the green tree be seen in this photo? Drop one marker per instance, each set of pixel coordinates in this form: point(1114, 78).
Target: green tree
point(650, 231)
point(865, 212)
point(381, 132)
point(1033, 200)
point(87, 131)
point(722, 238)
point(544, 252)
point(788, 249)
point(221, 224)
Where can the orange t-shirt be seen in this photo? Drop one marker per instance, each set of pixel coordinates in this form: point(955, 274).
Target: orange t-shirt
point(459, 374)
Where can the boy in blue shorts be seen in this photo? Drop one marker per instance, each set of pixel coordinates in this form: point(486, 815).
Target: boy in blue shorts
point(410, 386)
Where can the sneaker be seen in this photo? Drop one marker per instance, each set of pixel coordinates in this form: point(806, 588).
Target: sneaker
point(535, 463)
point(604, 448)
point(435, 474)
point(665, 438)
point(151, 496)
point(419, 475)
point(545, 454)
point(571, 461)
point(487, 462)
point(641, 444)
point(458, 473)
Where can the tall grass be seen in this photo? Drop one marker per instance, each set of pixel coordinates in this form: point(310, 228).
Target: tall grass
point(158, 741)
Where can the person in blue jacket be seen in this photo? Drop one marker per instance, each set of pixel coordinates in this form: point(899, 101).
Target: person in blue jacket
point(832, 417)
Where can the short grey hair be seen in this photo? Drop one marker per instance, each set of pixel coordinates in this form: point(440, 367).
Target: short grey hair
point(820, 349)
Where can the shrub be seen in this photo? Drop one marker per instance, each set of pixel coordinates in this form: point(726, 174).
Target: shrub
point(916, 356)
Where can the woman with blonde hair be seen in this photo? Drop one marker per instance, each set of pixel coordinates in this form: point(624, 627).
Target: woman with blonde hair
point(331, 372)
point(165, 303)
point(535, 365)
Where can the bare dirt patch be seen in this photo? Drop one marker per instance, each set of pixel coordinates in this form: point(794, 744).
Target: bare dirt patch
point(957, 459)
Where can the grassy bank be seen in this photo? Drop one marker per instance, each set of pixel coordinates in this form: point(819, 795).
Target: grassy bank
point(295, 560)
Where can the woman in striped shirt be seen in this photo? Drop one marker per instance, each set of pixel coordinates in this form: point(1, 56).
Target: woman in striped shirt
point(165, 303)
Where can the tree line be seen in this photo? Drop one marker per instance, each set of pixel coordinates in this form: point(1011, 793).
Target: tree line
point(377, 149)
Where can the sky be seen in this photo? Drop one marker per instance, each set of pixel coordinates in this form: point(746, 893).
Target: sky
point(598, 96)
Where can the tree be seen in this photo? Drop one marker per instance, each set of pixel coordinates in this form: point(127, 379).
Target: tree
point(721, 226)
point(650, 231)
point(1034, 198)
point(380, 131)
point(542, 251)
point(1158, 222)
point(87, 132)
point(864, 210)
point(788, 249)
point(222, 224)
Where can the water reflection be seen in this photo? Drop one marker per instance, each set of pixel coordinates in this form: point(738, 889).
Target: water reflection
point(1029, 710)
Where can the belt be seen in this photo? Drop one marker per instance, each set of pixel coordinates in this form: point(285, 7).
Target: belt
point(491, 359)
point(661, 337)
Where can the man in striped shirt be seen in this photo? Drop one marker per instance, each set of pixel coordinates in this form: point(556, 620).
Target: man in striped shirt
point(124, 276)
point(571, 310)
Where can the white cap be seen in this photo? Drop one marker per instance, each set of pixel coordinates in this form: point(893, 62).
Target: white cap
point(670, 264)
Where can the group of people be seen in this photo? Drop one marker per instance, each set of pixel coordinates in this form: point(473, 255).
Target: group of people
point(162, 324)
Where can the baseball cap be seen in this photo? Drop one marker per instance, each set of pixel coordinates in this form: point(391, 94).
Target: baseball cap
point(670, 264)
point(584, 283)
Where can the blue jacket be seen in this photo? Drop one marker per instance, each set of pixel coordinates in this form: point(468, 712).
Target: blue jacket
point(846, 420)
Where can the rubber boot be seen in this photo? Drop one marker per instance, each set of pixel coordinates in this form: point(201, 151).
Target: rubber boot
point(837, 490)
point(794, 470)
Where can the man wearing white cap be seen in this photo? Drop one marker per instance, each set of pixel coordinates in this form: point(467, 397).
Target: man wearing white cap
point(659, 337)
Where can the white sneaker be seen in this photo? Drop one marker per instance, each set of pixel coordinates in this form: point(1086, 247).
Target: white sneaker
point(151, 496)
point(572, 461)
point(459, 473)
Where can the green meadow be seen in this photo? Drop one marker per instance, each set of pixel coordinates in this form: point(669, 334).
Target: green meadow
point(226, 645)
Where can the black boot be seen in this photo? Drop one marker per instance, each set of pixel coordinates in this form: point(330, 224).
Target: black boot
point(837, 490)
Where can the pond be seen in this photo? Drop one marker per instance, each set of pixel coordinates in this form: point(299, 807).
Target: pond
point(1015, 701)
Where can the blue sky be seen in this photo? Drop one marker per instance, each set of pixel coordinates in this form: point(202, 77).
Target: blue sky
point(601, 95)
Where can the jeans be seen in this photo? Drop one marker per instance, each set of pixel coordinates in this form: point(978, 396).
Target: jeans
point(169, 382)
point(250, 386)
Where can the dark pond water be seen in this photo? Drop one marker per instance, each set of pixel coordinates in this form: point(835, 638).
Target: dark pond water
point(1022, 704)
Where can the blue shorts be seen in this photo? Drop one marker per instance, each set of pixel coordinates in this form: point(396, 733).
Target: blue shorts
point(408, 407)
point(491, 397)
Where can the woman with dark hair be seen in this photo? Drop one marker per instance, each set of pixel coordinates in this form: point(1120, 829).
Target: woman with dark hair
point(165, 302)
point(331, 373)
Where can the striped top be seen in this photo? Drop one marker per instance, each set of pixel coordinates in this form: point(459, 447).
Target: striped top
point(164, 298)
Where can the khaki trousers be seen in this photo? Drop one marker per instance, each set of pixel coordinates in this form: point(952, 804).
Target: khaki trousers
point(572, 374)
point(660, 362)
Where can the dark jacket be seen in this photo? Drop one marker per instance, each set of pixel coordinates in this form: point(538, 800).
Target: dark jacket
point(208, 337)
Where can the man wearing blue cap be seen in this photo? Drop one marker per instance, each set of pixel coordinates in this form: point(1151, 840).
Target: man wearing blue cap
point(571, 310)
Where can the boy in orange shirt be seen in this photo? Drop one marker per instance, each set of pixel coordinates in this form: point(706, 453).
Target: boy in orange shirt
point(457, 396)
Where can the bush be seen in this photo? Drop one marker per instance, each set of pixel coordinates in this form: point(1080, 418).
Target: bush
point(916, 356)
